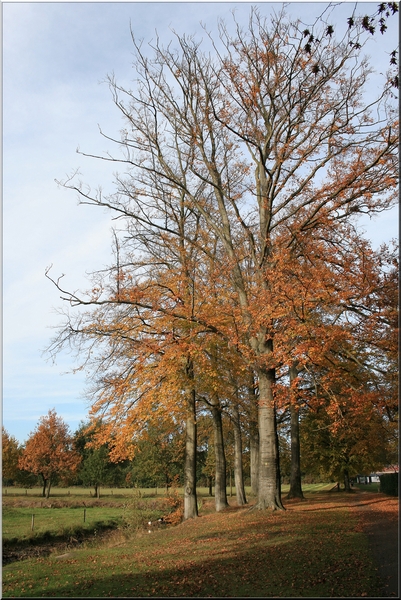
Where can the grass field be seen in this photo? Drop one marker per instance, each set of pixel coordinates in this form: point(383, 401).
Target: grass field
point(17, 522)
point(316, 548)
point(32, 518)
point(105, 492)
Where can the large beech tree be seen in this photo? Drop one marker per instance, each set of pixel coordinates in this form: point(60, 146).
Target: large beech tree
point(49, 451)
point(267, 141)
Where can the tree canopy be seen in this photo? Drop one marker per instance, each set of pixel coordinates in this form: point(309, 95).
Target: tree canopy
point(243, 171)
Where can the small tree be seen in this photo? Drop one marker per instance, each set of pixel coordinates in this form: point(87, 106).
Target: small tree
point(48, 452)
point(159, 455)
point(11, 451)
point(96, 468)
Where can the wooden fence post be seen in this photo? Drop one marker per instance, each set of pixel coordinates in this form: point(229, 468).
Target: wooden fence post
point(33, 522)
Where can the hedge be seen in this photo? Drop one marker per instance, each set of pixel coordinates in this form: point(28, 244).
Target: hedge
point(389, 484)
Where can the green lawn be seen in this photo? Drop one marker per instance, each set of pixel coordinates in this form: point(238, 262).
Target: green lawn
point(367, 487)
point(17, 522)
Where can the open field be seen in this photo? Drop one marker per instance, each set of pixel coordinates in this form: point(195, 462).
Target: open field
point(316, 548)
point(28, 517)
point(106, 492)
point(17, 522)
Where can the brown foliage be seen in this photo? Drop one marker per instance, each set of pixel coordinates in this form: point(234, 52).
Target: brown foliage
point(49, 451)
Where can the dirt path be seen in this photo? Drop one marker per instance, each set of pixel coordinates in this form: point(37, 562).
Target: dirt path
point(379, 520)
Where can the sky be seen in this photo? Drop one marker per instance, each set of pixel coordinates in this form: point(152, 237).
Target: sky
point(56, 57)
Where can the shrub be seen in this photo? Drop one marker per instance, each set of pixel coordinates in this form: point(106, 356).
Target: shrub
point(389, 484)
point(175, 505)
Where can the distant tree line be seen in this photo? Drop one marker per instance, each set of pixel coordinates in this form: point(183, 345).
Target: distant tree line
point(54, 456)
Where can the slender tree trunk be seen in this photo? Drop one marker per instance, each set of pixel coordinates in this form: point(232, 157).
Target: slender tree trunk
point(210, 479)
point(190, 500)
point(220, 483)
point(254, 455)
point(44, 486)
point(253, 436)
point(295, 476)
point(48, 487)
point(347, 484)
point(238, 471)
point(269, 486)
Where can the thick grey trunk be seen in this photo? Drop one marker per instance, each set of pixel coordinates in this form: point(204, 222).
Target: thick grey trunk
point(295, 475)
point(190, 500)
point(238, 471)
point(269, 487)
point(220, 484)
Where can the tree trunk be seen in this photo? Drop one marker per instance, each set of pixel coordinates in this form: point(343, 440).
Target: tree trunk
point(220, 484)
point(238, 471)
point(210, 479)
point(253, 436)
point(254, 456)
point(190, 500)
point(347, 484)
point(48, 487)
point(269, 484)
point(44, 486)
point(295, 476)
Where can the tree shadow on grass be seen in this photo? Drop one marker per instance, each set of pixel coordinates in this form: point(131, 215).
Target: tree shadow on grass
point(338, 502)
point(256, 558)
point(285, 571)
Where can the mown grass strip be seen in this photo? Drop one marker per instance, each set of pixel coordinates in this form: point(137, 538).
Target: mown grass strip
point(17, 522)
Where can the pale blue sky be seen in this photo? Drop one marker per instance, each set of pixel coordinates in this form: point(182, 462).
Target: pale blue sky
point(54, 57)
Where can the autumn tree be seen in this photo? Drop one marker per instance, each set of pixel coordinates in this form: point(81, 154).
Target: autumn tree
point(342, 444)
point(49, 451)
point(352, 404)
point(11, 452)
point(337, 320)
point(268, 142)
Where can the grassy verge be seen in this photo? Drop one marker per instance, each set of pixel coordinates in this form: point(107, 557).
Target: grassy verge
point(313, 549)
point(56, 523)
point(58, 520)
point(367, 487)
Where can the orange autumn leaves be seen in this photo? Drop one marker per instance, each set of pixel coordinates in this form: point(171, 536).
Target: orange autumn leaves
point(242, 175)
point(49, 452)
